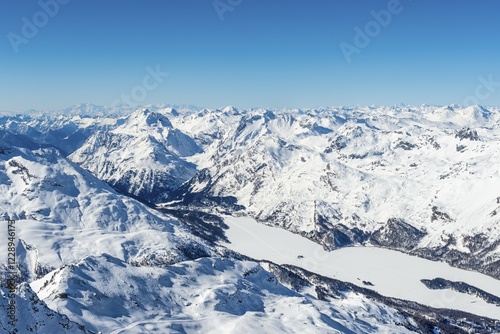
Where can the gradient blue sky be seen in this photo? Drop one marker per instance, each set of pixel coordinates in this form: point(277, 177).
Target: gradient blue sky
point(265, 53)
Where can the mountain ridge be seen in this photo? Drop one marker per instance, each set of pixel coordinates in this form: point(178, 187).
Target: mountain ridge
point(420, 180)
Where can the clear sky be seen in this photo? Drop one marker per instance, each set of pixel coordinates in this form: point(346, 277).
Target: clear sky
point(248, 53)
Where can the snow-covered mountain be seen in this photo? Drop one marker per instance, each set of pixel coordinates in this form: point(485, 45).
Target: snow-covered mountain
point(205, 126)
point(213, 295)
point(144, 157)
point(93, 257)
point(65, 131)
point(64, 213)
point(423, 180)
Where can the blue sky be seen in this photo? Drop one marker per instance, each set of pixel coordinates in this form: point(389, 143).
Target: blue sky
point(262, 53)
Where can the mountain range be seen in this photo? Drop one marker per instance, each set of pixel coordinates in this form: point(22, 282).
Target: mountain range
point(122, 226)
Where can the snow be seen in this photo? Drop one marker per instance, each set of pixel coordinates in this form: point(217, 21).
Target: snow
point(393, 274)
point(65, 214)
point(211, 295)
point(307, 171)
point(34, 316)
point(142, 157)
point(314, 170)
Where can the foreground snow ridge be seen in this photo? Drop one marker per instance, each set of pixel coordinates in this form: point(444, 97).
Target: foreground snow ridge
point(213, 295)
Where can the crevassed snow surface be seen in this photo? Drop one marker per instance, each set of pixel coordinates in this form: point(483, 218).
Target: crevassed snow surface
point(394, 274)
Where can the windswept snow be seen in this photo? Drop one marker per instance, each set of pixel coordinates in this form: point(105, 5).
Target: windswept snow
point(213, 295)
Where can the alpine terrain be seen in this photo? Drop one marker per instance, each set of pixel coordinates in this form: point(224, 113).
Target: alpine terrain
point(179, 219)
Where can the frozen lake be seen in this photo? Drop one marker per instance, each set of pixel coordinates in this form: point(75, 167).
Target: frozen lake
point(394, 274)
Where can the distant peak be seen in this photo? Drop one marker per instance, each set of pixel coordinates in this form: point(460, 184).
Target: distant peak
point(230, 109)
point(150, 118)
point(478, 109)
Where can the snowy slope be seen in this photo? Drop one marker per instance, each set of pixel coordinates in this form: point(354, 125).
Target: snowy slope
point(34, 316)
point(64, 213)
point(144, 156)
point(205, 296)
point(205, 126)
point(423, 180)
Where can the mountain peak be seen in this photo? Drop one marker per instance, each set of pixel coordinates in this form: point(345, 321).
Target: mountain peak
point(144, 119)
point(230, 110)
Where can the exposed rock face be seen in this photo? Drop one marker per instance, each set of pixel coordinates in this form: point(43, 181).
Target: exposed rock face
point(467, 133)
point(397, 234)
